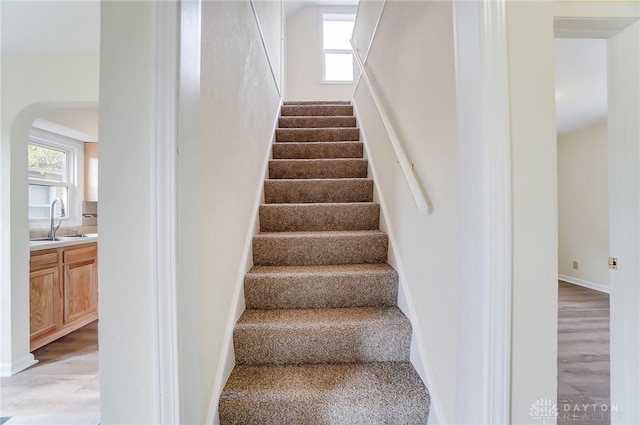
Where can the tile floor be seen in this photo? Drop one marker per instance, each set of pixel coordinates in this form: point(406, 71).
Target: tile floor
point(65, 380)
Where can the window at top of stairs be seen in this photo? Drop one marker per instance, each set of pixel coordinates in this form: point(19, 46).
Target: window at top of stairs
point(337, 59)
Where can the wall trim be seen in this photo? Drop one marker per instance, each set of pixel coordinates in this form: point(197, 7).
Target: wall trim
point(436, 414)
point(585, 283)
point(13, 367)
point(498, 282)
point(227, 359)
point(164, 220)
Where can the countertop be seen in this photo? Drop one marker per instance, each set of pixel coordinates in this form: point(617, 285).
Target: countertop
point(40, 245)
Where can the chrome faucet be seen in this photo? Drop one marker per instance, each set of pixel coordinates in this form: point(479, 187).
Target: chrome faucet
point(53, 229)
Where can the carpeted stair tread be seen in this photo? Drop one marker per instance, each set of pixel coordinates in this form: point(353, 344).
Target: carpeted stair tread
point(316, 122)
point(315, 150)
point(318, 190)
point(316, 110)
point(318, 168)
point(337, 335)
point(318, 248)
point(322, 340)
point(329, 286)
point(320, 216)
point(355, 394)
point(338, 134)
point(316, 102)
point(330, 134)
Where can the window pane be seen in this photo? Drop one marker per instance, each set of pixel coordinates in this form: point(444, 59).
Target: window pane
point(47, 163)
point(336, 34)
point(41, 197)
point(338, 67)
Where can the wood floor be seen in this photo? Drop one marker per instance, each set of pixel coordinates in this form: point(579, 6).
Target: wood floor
point(65, 380)
point(583, 356)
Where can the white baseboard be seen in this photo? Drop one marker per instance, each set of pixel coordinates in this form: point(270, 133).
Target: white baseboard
point(591, 285)
point(11, 368)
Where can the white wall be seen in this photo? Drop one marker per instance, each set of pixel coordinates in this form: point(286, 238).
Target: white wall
point(534, 205)
point(127, 332)
point(226, 114)
point(193, 404)
point(624, 231)
point(239, 107)
point(32, 83)
point(423, 247)
point(304, 71)
point(583, 205)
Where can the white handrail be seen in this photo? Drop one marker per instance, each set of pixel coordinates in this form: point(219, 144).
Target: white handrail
point(420, 197)
point(264, 46)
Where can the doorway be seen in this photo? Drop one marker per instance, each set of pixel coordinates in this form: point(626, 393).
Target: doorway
point(621, 30)
point(583, 231)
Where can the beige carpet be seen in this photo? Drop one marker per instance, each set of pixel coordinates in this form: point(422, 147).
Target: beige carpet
point(322, 340)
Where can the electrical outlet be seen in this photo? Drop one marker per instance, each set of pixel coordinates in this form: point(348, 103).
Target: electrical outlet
point(575, 265)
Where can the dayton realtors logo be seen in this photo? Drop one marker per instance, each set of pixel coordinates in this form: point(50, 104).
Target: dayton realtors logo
point(543, 410)
point(589, 412)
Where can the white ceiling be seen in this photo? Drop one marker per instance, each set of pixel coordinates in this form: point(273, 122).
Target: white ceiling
point(74, 25)
point(292, 6)
point(37, 26)
point(581, 83)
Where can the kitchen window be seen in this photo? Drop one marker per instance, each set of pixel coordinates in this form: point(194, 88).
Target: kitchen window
point(337, 58)
point(55, 171)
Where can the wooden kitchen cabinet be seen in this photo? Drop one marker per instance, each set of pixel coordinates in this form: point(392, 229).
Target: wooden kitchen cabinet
point(44, 293)
point(63, 290)
point(80, 283)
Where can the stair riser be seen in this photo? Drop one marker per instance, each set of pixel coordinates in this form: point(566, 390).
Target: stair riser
point(308, 191)
point(349, 343)
point(319, 250)
point(321, 290)
point(316, 122)
point(317, 134)
point(310, 150)
point(318, 169)
point(318, 217)
point(316, 110)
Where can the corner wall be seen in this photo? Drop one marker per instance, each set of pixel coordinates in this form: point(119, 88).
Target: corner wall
point(534, 206)
point(227, 105)
point(420, 98)
point(239, 108)
point(583, 205)
point(128, 285)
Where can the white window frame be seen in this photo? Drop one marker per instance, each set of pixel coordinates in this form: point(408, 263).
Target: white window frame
point(75, 176)
point(335, 16)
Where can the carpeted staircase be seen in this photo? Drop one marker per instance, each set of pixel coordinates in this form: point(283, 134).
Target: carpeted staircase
point(322, 340)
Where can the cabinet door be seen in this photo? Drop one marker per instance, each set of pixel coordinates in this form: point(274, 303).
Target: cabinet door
point(44, 296)
point(80, 289)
